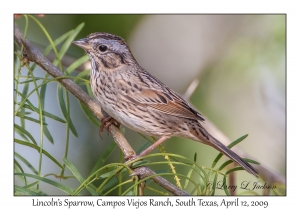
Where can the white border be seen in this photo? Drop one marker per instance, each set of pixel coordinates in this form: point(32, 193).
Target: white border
point(8, 201)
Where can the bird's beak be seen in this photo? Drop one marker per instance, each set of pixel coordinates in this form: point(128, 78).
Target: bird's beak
point(82, 43)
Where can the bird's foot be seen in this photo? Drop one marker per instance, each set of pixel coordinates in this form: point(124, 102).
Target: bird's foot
point(106, 122)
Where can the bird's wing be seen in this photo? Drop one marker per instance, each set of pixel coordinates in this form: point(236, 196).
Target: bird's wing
point(161, 99)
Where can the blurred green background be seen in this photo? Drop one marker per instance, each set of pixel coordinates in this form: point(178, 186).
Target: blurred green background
point(239, 61)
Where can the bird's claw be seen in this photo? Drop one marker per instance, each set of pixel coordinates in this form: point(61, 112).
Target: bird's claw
point(106, 122)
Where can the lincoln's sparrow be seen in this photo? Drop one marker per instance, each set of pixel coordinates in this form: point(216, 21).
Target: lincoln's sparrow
point(138, 100)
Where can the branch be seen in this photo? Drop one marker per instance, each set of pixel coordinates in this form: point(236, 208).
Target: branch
point(34, 55)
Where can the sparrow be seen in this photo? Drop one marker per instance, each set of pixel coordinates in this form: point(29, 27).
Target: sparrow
point(136, 99)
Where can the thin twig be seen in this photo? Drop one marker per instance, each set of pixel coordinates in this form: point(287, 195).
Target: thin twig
point(190, 90)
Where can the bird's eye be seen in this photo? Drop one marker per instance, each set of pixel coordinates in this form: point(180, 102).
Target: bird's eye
point(102, 48)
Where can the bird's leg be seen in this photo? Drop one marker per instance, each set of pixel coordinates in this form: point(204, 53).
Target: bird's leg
point(148, 150)
point(106, 122)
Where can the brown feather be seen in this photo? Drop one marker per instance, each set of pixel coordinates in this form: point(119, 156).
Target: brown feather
point(160, 102)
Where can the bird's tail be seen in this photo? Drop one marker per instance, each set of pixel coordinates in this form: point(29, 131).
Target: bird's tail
point(229, 153)
point(200, 134)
